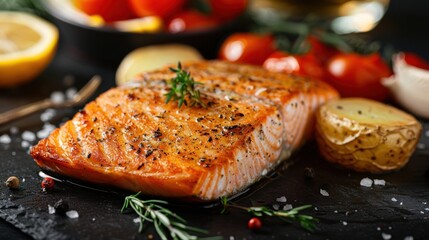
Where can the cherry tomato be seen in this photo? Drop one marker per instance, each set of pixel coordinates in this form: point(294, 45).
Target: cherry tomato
point(161, 8)
point(109, 10)
point(227, 9)
point(321, 50)
point(254, 224)
point(355, 75)
point(415, 60)
point(48, 183)
point(247, 48)
point(190, 20)
point(306, 65)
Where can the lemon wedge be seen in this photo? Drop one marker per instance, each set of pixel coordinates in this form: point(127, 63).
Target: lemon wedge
point(153, 57)
point(27, 45)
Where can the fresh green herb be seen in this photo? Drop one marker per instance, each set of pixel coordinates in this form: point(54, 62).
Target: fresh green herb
point(165, 221)
point(30, 6)
point(307, 222)
point(183, 87)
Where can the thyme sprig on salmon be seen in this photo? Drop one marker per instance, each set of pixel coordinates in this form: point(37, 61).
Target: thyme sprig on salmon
point(165, 221)
point(182, 87)
point(305, 221)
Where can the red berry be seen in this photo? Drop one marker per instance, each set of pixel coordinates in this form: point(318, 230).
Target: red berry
point(254, 224)
point(48, 183)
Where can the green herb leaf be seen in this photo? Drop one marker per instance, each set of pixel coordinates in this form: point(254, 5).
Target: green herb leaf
point(182, 89)
point(307, 222)
point(165, 221)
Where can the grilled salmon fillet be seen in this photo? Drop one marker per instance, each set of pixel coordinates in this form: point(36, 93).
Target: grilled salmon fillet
point(130, 138)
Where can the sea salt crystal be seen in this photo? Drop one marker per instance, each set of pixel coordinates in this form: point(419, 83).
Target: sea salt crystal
point(394, 199)
point(5, 139)
point(57, 97)
point(25, 144)
point(324, 193)
point(427, 133)
point(409, 238)
point(316, 209)
point(13, 153)
point(264, 172)
point(14, 130)
point(70, 92)
point(345, 223)
point(72, 214)
point(421, 146)
point(282, 199)
point(231, 238)
point(386, 236)
point(23, 180)
point(47, 115)
point(335, 211)
point(366, 182)
point(93, 219)
point(28, 136)
point(137, 220)
point(46, 130)
point(287, 207)
point(427, 209)
point(51, 209)
point(379, 182)
point(276, 206)
point(422, 212)
point(378, 228)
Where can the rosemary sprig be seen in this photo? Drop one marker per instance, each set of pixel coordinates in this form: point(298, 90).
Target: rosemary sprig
point(307, 222)
point(165, 222)
point(183, 86)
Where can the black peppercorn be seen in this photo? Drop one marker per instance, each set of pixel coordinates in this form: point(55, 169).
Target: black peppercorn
point(309, 173)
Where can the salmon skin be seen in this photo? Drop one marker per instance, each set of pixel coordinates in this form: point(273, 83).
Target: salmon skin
point(130, 138)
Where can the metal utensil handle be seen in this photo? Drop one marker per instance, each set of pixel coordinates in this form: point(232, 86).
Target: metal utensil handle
point(24, 110)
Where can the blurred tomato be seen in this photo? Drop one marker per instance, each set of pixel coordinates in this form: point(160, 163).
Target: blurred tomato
point(355, 75)
point(161, 8)
point(306, 65)
point(415, 60)
point(109, 10)
point(321, 50)
point(247, 48)
point(190, 20)
point(227, 9)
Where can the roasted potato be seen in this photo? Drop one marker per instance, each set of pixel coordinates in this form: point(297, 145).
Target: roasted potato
point(365, 135)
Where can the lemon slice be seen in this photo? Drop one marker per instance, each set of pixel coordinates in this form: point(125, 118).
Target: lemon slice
point(153, 57)
point(27, 45)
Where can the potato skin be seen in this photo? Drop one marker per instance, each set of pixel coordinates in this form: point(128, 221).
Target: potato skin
point(364, 143)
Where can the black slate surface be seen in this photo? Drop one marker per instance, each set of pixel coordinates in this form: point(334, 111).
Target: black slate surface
point(350, 211)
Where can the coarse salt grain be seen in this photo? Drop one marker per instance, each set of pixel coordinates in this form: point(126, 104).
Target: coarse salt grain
point(13, 153)
point(5, 139)
point(409, 238)
point(14, 130)
point(427, 133)
point(28, 136)
point(276, 206)
point(379, 182)
point(57, 97)
point(378, 228)
point(72, 214)
point(394, 199)
point(386, 236)
point(47, 115)
point(366, 182)
point(231, 238)
point(25, 144)
point(421, 146)
point(422, 212)
point(345, 223)
point(137, 220)
point(287, 207)
point(70, 92)
point(324, 193)
point(282, 199)
point(45, 131)
point(51, 209)
point(93, 219)
point(427, 209)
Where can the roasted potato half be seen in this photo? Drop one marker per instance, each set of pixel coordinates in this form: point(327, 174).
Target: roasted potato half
point(365, 135)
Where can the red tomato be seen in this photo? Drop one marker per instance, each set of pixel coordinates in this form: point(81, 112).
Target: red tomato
point(109, 10)
point(227, 9)
point(247, 48)
point(415, 60)
point(306, 65)
point(190, 20)
point(321, 50)
point(355, 75)
point(161, 8)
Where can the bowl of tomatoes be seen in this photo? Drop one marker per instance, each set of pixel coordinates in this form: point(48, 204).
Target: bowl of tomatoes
point(106, 30)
